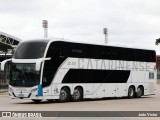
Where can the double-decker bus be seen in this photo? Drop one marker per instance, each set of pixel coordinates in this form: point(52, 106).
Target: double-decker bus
point(53, 69)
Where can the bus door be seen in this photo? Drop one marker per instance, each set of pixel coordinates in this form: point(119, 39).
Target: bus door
point(47, 85)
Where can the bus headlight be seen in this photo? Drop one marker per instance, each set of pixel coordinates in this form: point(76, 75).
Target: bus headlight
point(33, 90)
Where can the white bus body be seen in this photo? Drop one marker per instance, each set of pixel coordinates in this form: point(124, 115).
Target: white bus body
point(59, 70)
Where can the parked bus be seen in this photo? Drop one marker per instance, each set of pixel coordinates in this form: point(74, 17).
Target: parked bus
point(68, 71)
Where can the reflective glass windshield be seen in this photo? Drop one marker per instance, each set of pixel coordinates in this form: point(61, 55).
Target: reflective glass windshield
point(24, 75)
point(30, 49)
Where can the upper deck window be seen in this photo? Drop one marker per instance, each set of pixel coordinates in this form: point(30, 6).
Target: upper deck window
point(30, 50)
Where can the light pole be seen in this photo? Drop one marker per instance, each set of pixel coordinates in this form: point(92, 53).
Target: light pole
point(105, 32)
point(45, 26)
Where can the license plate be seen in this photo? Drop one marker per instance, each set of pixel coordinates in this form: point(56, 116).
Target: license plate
point(20, 95)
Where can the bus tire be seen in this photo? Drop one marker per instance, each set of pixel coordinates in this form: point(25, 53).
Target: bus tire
point(36, 101)
point(64, 95)
point(77, 95)
point(139, 92)
point(131, 92)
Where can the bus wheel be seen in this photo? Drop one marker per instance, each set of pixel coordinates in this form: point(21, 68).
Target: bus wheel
point(131, 92)
point(37, 101)
point(64, 95)
point(77, 95)
point(139, 92)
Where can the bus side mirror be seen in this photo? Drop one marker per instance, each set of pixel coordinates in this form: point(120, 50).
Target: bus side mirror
point(3, 64)
point(38, 63)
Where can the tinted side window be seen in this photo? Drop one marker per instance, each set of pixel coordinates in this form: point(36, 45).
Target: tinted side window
point(150, 56)
point(139, 55)
point(78, 50)
point(117, 53)
point(128, 54)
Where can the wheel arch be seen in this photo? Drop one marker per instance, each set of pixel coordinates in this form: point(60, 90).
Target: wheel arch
point(142, 88)
point(78, 86)
point(66, 87)
point(132, 87)
point(131, 94)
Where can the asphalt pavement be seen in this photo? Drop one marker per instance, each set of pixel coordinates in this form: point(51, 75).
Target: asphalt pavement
point(146, 103)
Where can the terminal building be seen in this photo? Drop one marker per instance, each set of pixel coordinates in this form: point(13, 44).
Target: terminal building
point(8, 43)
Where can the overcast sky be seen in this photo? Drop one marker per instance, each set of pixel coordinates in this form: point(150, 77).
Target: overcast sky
point(130, 22)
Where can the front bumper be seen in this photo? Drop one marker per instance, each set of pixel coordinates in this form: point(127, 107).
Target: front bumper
point(31, 96)
point(24, 96)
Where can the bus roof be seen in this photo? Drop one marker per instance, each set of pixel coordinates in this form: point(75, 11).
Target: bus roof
point(69, 41)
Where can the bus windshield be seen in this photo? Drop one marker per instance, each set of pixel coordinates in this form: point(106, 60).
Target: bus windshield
point(24, 75)
point(30, 50)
